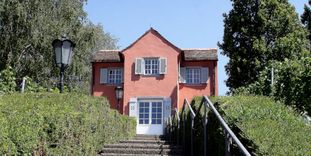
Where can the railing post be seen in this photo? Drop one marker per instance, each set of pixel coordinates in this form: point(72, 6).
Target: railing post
point(178, 129)
point(184, 131)
point(23, 85)
point(205, 129)
point(228, 142)
point(192, 138)
point(171, 128)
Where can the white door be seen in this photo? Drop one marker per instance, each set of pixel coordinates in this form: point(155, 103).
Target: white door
point(150, 117)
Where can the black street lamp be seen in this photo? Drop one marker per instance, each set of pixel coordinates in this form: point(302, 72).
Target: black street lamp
point(63, 53)
point(119, 95)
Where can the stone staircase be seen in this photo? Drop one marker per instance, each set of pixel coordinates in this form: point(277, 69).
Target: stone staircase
point(142, 145)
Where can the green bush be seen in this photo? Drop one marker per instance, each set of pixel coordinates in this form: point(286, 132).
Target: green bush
point(272, 128)
point(262, 125)
point(7, 81)
point(59, 124)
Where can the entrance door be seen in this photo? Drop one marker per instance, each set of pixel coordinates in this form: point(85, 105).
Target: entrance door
point(150, 118)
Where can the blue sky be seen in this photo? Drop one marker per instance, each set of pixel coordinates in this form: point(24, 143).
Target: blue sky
point(186, 23)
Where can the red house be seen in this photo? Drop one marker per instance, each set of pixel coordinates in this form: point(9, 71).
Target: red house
point(156, 77)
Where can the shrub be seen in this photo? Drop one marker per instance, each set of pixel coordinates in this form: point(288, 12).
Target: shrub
point(262, 125)
point(273, 128)
point(7, 81)
point(59, 124)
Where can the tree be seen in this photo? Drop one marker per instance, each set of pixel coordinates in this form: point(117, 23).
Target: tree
point(257, 32)
point(28, 27)
point(306, 18)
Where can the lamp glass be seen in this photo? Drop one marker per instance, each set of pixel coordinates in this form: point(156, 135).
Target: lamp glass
point(66, 52)
point(119, 92)
point(58, 52)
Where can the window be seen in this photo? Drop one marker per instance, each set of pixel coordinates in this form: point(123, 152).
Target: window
point(143, 112)
point(151, 66)
point(156, 114)
point(193, 75)
point(115, 75)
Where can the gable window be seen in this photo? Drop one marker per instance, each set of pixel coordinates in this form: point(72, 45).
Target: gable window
point(111, 75)
point(114, 75)
point(193, 75)
point(151, 66)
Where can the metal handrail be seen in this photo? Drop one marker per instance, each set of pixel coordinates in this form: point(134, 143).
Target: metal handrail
point(208, 105)
point(227, 128)
point(190, 108)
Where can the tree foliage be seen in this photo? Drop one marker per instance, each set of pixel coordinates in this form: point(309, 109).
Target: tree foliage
point(292, 83)
point(257, 32)
point(28, 27)
point(306, 18)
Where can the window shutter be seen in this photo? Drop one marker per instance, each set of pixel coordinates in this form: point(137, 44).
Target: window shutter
point(167, 108)
point(122, 75)
point(182, 75)
point(139, 62)
point(103, 75)
point(163, 65)
point(204, 75)
point(133, 107)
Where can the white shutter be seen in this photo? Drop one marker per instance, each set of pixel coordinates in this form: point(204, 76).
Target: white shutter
point(167, 108)
point(163, 65)
point(133, 107)
point(139, 64)
point(204, 75)
point(182, 75)
point(103, 75)
point(122, 75)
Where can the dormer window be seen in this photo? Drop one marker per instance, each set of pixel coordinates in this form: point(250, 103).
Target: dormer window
point(150, 66)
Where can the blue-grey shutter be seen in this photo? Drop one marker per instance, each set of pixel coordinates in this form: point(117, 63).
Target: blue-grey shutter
point(163, 65)
point(204, 75)
point(103, 75)
point(182, 75)
point(167, 108)
point(139, 65)
point(133, 107)
point(122, 75)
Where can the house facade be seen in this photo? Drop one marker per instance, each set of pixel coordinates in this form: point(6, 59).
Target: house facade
point(155, 76)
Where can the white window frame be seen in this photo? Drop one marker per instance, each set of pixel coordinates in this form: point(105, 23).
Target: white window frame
point(195, 75)
point(154, 66)
point(116, 77)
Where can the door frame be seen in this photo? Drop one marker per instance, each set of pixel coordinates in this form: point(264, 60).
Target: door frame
point(146, 128)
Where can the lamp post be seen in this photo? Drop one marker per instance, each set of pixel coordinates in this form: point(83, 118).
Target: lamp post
point(63, 49)
point(119, 95)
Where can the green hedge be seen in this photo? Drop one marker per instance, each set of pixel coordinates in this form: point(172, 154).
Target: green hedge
point(264, 126)
point(273, 128)
point(59, 124)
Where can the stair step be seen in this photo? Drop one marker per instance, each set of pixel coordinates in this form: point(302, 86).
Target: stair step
point(122, 154)
point(145, 146)
point(141, 151)
point(149, 138)
point(146, 141)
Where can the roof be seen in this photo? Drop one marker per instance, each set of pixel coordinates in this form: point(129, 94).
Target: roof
point(199, 54)
point(153, 31)
point(107, 56)
point(194, 54)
